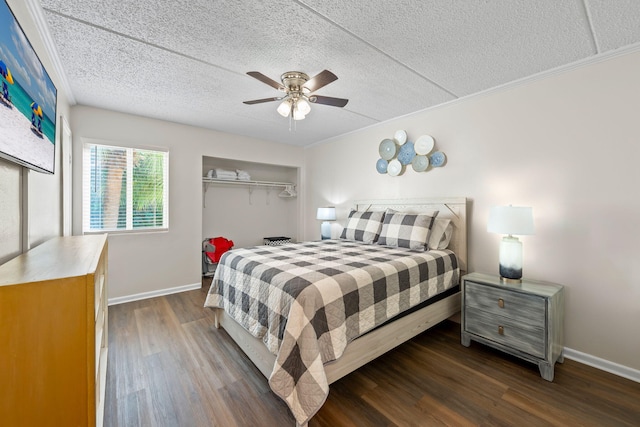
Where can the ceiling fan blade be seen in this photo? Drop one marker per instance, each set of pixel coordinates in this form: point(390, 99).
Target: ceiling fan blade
point(260, 101)
point(264, 79)
point(320, 80)
point(328, 100)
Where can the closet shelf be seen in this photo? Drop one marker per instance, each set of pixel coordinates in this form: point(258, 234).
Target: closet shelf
point(208, 181)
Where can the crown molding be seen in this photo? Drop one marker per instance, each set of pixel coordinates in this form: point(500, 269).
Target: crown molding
point(37, 14)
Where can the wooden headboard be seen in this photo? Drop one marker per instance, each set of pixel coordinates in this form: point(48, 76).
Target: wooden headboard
point(453, 208)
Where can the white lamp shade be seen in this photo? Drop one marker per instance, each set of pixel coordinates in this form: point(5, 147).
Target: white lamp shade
point(298, 114)
point(303, 106)
point(326, 214)
point(511, 220)
point(284, 109)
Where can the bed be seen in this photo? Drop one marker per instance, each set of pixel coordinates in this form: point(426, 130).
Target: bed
point(308, 314)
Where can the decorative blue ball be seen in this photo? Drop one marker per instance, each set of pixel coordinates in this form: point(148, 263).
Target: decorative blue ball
point(406, 153)
point(381, 165)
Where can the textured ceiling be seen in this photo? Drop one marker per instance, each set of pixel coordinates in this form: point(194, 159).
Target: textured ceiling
point(186, 60)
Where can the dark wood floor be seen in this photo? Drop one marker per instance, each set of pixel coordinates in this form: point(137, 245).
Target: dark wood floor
point(169, 367)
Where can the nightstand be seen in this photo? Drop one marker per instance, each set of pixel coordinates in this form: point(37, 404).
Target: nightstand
point(523, 319)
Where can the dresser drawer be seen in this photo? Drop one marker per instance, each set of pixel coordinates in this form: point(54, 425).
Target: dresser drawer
point(503, 330)
point(506, 303)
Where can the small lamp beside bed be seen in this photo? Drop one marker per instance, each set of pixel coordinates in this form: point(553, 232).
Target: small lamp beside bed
point(326, 214)
point(510, 220)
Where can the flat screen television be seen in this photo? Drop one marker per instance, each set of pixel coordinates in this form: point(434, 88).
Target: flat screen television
point(27, 100)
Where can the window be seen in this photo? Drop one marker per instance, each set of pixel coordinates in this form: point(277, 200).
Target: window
point(124, 189)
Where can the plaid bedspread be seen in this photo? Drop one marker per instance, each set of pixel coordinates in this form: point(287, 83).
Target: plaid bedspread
point(307, 301)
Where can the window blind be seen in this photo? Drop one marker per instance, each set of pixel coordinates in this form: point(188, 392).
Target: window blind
point(124, 188)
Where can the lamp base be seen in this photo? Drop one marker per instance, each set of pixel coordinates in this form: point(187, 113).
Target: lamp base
point(325, 230)
point(510, 281)
point(510, 259)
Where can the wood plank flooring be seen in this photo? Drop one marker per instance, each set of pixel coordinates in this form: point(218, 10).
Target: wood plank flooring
point(168, 366)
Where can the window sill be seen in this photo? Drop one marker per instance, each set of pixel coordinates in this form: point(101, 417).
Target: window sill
point(127, 232)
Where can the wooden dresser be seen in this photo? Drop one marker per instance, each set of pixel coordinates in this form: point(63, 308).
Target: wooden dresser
point(53, 334)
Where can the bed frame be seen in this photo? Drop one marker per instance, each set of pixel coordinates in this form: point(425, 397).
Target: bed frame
point(377, 342)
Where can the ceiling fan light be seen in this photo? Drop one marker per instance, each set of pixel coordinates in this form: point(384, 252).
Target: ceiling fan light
point(297, 114)
point(303, 106)
point(284, 109)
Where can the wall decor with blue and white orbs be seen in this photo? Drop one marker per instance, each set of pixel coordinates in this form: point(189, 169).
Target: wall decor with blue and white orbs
point(398, 153)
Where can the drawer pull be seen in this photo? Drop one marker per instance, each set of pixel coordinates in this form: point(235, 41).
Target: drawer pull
point(500, 330)
point(500, 303)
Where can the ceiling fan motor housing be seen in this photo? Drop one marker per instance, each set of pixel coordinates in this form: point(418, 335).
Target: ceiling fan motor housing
point(294, 81)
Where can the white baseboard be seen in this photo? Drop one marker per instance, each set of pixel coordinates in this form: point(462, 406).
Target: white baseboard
point(152, 294)
point(602, 364)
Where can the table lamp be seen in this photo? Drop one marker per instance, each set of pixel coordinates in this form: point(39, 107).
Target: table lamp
point(326, 215)
point(510, 220)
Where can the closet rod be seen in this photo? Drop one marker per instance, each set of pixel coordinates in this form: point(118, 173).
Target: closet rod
point(208, 181)
point(243, 182)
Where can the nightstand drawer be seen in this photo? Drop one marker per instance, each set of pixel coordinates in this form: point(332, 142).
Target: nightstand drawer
point(515, 334)
point(507, 303)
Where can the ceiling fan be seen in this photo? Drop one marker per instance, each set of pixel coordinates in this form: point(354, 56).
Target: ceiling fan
point(298, 89)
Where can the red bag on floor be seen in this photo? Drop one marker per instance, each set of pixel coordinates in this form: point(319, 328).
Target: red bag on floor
point(221, 246)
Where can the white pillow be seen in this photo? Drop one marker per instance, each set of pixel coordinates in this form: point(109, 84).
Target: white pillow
point(440, 235)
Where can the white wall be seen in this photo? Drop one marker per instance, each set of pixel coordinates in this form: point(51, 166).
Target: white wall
point(10, 210)
point(151, 262)
point(21, 229)
point(567, 145)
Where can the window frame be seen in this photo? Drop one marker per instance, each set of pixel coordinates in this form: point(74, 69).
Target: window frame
point(87, 143)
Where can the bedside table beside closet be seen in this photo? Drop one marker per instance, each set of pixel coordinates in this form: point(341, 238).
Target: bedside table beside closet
point(53, 334)
point(522, 319)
